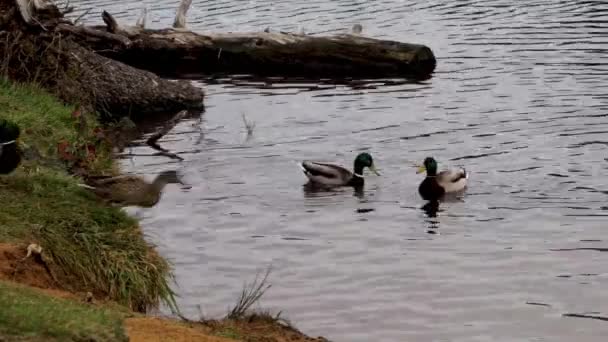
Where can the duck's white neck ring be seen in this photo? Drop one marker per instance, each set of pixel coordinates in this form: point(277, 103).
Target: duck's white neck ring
point(358, 175)
point(7, 143)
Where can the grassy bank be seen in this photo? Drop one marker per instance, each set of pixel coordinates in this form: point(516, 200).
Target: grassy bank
point(34, 315)
point(30, 315)
point(90, 247)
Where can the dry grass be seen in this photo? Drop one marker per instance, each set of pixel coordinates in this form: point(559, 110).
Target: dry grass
point(250, 294)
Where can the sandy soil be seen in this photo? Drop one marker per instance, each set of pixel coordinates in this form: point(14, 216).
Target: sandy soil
point(152, 329)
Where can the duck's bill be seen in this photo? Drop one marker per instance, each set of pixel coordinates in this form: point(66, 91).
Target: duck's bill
point(421, 169)
point(374, 170)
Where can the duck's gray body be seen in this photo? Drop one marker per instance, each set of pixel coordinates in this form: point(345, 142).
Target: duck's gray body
point(327, 174)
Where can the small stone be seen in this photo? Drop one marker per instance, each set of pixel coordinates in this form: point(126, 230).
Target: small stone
point(33, 248)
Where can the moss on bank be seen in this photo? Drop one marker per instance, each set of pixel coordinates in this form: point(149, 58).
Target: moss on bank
point(30, 315)
point(91, 247)
point(36, 315)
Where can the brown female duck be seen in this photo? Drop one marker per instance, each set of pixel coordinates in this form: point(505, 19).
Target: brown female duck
point(129, 190)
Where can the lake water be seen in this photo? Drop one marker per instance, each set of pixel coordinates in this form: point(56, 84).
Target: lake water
point(519, 97)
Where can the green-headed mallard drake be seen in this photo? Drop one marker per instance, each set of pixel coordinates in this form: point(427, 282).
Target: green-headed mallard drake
point(436, 185)
point(332, 175)
point(130, 190)
point(10, 153)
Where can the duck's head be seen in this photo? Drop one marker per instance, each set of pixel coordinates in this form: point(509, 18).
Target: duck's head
point(364, 160)
point(429, 165)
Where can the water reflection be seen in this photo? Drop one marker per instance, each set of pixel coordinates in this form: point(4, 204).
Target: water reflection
point(310, 84)
point(431, 208)
point(313, 190)
point(519, 93)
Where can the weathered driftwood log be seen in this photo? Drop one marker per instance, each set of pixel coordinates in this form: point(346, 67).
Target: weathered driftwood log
point(181, 53)
point(38, 44)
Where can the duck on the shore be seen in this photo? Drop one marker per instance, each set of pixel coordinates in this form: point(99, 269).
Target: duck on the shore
point(10, 153)
point(129, 190)
point(332, 175)
point(436, 185)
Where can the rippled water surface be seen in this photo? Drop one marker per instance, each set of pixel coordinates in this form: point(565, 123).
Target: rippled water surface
point(519, 97)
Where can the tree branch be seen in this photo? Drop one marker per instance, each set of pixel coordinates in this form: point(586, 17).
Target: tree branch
point(166, 128)
point(180, 15)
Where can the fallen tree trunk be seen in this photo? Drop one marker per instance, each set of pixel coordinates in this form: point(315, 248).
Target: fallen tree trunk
point(180, 53)
point(39, 45)
point(118, 89)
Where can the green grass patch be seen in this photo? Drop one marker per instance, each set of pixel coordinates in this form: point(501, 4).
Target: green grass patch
point(35, 316)
point(46, 124)
point(44, 121)
point(93, 247)
point(229, 332)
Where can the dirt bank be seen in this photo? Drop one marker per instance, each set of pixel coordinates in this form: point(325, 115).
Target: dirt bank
point(31, 272)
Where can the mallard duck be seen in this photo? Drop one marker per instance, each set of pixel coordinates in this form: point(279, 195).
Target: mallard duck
point(10, 153)
point(436, 185)
point(130, 190)
point(332, 175)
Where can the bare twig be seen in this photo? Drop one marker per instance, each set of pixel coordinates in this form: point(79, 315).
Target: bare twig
point(153, 140)
point(40, 24)
point(12, 41)
point(67, 5)
point(249, 125)
point(82, 16)
point(111, 23)
point(67, 8)
point(90, 33)
point(141, 21)
point(180, 15)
